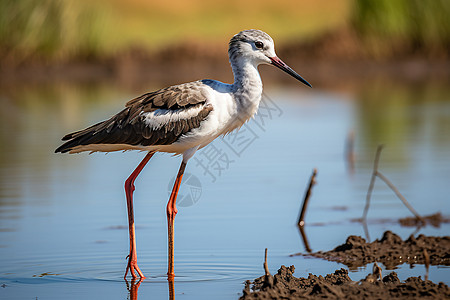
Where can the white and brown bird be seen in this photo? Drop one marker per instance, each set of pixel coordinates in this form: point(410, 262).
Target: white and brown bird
point(181, 119)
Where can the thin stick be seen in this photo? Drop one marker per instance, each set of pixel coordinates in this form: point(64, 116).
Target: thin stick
point(372, 181)
point(266, 268)
point(378, 174)
point(400, 196)
point(312, 181)
point(268, 279)
point(377, 271)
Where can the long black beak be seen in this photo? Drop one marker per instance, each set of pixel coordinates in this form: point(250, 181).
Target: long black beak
point(281, 65)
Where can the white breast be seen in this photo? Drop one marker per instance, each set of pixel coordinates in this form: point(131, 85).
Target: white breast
point(227, 115)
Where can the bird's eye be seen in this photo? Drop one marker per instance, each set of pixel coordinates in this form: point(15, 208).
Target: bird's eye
point(259, 45)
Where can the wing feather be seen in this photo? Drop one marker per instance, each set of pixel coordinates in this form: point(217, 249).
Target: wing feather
point(155, 118)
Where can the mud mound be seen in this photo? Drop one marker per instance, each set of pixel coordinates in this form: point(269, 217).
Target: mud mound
point(339, 286)
point(391, 251)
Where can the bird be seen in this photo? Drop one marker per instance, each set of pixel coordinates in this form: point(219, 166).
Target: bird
point(181, 119)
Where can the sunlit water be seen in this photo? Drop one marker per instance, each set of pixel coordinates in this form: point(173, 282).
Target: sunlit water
point(63, 219)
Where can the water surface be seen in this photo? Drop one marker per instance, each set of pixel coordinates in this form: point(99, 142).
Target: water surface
point(63, 218)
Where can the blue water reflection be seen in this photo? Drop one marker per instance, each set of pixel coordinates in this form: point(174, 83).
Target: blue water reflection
point(63, 217)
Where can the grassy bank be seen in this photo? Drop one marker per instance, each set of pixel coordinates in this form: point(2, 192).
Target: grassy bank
point(66, 30)
point(51, 29)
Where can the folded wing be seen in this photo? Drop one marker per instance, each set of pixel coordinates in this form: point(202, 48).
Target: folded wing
point(156, 118)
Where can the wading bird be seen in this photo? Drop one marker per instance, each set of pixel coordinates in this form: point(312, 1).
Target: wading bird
point(181, 119)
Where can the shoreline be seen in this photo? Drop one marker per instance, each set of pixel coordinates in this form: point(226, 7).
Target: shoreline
point(137, 73)
point(332, 58)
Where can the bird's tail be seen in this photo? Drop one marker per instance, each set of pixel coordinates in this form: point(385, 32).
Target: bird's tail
point(86, 136)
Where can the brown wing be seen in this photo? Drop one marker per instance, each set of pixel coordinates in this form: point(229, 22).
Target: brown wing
point(131, 125)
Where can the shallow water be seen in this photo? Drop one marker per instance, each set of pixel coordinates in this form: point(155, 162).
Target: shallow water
point(63, 217)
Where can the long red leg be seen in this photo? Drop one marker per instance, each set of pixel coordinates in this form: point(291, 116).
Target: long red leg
point(129, 189)
point(171, 212)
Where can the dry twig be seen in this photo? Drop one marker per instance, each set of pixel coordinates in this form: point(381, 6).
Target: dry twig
point(378, 174)
point(268, 278)
point(312, 181)
point(266, 268)
point(400, 196)
point(372, 181)
point(377, 271)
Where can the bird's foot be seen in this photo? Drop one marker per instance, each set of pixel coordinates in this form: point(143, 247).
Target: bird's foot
point(132, 266)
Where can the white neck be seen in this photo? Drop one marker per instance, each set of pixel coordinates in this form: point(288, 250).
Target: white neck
point(247, 86)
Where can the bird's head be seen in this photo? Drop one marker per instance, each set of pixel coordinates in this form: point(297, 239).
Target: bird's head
point(258, 48)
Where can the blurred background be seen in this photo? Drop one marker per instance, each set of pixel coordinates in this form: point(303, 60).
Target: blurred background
point(125, 38)
point(381, 75)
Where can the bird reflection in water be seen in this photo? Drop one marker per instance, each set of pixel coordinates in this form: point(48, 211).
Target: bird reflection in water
point(133, 287)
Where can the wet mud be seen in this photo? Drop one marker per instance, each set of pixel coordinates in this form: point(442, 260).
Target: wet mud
point(284, 285)
point(390, 250)
point(434, 220)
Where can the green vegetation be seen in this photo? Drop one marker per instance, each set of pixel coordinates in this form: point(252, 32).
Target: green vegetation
point(50, 29)
point(61, 30)
point(389, 26)
point(66, 29)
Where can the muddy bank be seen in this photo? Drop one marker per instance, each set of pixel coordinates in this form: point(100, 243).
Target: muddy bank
point(338, 285)
point(390, 250)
